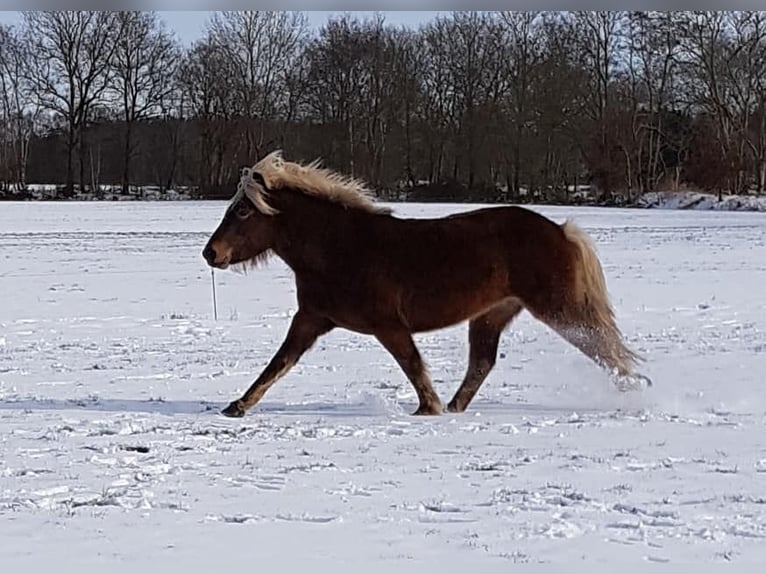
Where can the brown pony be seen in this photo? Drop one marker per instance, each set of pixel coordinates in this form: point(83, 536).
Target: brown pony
point(358, 267)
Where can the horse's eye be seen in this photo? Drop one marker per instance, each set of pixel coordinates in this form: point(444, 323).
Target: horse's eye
point(242, 210)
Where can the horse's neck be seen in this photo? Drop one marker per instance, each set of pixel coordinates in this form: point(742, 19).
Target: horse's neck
point(310, 233)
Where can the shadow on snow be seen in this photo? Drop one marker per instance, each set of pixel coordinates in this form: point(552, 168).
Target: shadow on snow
point(363, 408)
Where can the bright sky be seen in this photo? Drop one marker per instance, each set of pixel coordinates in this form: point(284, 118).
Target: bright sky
point(189, 25)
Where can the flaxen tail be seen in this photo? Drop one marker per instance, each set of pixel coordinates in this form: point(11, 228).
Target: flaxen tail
point(595, 310)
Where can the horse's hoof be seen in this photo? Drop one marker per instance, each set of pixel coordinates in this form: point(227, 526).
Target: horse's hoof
point(455, 408)
point(428, 410)
point(234, 410)
point(635, 382)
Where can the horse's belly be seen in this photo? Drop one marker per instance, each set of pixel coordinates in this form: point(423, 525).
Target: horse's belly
point(439, 312)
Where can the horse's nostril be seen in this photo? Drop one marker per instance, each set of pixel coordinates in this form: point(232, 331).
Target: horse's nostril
point(209, 254)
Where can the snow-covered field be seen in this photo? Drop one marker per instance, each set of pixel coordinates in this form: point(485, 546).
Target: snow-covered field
point(113, 453)
point(702, 201)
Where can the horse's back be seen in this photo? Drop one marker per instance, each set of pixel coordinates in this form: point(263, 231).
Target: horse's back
point(492, 232)
point(452, 268)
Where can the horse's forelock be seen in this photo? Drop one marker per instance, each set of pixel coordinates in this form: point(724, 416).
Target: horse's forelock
point(251, 187)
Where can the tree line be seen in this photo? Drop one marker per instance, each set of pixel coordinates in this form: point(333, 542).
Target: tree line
point(490, 105)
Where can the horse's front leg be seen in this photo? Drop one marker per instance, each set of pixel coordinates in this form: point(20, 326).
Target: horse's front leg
point(402, 347)
point(304, 331)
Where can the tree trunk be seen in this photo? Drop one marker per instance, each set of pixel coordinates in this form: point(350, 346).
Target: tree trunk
point(175, 133)
point(83, 148)
point(629, 175)
point(517, 165)
point(69, 188)
point(95, 172)
point(23, 155)
point(126, 158)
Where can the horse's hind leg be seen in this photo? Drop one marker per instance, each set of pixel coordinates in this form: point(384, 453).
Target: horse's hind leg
point(403, 349)
point(483, 336)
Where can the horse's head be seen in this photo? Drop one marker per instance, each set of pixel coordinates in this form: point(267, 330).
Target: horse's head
point(246, 232)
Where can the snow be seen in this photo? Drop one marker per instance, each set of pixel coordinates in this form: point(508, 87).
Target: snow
point(49, 191)
point(702, 201)
point(113, 452)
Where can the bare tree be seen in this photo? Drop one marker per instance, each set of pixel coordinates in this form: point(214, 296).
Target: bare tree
point(651, 54)
point(19, 111)
point(524, 38)
point(464, 80)
point(598, 43)
point(558, 121)
point(144, 65)
point(71, 68)
point(399, 82)
point(205, 77)
point(336, 75)
point(377, 80)
point(468, 102)
point(746, 76)
point(437, 114)
point(174, 121)
point(704, 61)
point(599, 37)
point(383, 76)
point(261, 48)
point(292, 106)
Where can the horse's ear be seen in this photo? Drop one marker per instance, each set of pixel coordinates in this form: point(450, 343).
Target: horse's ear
point(258, 178)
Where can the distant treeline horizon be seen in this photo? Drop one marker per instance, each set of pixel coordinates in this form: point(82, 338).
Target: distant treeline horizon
point(491, 105)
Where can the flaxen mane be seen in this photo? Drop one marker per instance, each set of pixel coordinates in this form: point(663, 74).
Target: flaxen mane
point(311, 179)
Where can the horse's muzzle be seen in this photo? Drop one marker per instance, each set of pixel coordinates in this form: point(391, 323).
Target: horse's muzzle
point(209, 254)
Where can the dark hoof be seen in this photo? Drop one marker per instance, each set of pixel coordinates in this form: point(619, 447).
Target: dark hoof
point(234, 410)
point(455, 408)
point(429, 410)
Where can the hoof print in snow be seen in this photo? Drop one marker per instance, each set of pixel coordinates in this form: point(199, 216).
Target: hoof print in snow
point(141, 449)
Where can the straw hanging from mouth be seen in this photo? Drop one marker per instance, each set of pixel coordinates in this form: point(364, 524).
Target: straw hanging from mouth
point(215, 303)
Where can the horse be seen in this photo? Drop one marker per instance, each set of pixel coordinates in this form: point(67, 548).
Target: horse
point(359, 267)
